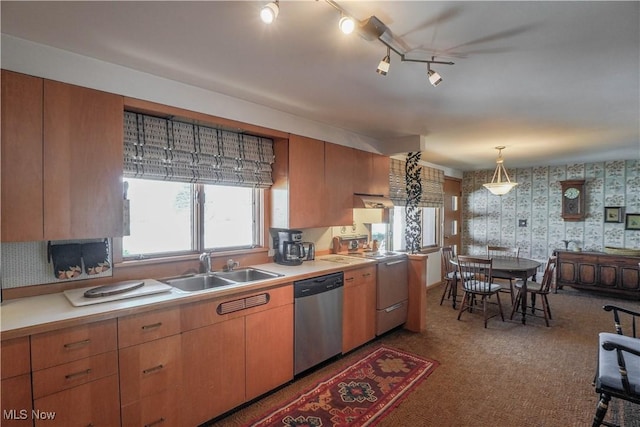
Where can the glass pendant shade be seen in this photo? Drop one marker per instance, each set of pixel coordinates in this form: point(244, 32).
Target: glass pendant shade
point(500, 183)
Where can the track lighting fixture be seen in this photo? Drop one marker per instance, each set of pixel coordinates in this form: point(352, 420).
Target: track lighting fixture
point(346, 24)
point(383, 67)
point(269, 12)
point(370, 29)
point(434, 78)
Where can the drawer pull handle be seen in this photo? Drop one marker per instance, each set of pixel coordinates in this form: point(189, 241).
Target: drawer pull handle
point(349, 278)
point(154, 369)
point(155, 423)
point(77, 374)
point(366, 275)
point(77, 344)
point(152, 326)
point(393, 307)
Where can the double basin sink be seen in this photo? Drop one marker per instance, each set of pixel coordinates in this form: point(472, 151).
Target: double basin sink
point(206, 281)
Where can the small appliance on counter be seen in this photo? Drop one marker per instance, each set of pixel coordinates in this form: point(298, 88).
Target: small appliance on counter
point(289, 247)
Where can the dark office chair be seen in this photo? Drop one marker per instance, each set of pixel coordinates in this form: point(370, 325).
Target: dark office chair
point(618, 372)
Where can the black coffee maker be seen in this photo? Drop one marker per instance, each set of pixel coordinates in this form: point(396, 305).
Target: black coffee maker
point(288, 246)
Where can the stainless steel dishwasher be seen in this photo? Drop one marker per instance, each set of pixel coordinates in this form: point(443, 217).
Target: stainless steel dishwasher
point(318, 320)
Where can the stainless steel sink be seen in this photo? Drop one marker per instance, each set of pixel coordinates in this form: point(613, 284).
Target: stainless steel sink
point(244, 275)
point(202, 282)
point(199, 282)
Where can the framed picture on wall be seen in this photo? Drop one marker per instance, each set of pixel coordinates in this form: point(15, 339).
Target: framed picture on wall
point(632, 222)
point(613, 213)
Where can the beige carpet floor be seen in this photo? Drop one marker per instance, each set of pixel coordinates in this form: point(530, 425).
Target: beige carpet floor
point(506, 375)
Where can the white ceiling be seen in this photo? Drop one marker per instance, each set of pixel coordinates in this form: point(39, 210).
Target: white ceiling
point(554, 82)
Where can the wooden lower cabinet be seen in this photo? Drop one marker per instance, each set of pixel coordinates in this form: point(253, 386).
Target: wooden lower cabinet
point(157, 410)
point(95, 404)
point(16, 401)
point(15, 397)
point(231, 358)
point(269, 338)
point(359, 308)
point(213, 360)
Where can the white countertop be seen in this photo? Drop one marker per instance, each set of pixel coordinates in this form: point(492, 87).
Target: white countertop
point(24, 316)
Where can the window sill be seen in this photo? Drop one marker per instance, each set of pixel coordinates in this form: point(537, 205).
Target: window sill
point(181, 258)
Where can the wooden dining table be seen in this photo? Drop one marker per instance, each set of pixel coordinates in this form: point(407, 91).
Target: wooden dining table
point(507, 268)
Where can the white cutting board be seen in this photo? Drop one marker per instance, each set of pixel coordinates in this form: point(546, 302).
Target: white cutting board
point(76, 296)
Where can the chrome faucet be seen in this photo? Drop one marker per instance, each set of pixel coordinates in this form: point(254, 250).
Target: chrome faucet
point(231, 264)
point(205, 259)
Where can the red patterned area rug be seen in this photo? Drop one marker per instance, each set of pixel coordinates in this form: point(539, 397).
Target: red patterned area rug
point(360, 395)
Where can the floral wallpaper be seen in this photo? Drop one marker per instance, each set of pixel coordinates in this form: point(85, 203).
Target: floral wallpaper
point(499, 220)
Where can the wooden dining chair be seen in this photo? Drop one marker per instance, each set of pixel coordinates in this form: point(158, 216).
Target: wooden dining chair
point(449, 272)
point(476, 278)
point(535, 289)
point(618, 373)
point(504, 252)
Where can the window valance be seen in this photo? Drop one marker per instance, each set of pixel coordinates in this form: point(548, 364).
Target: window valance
point(170, 150)
point(431, 179)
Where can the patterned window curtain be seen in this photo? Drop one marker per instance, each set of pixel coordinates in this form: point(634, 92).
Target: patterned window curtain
point(169, 150)
point(413, 231)
point(432, 181)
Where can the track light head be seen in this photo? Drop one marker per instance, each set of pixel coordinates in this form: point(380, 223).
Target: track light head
point(269, 12)
point(434, 78)
point(347, 24)
point(383, 66)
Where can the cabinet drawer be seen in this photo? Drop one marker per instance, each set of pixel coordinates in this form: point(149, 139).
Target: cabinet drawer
point(94, 403)
point(158, 410)
point(66, 345)
point(360, 276)
point(72, 374)
point(150, 326)
point(15, 357)
point(148, 368)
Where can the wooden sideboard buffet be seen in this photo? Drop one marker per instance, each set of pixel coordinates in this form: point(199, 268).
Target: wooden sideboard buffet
point(615, 275)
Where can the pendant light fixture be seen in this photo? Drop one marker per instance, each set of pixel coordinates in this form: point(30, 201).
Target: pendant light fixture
point(383, 67)
point(499, 185)
point(269, 12)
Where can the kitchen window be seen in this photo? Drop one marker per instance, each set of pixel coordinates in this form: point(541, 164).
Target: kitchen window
point(430, 222)
point(172, 218)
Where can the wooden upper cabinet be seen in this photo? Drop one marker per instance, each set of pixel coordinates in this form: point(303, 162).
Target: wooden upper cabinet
point(338, 169)
point(371, 173)
point(83, 162)
point(22, 213)
point(379, 179)
point(307, 195)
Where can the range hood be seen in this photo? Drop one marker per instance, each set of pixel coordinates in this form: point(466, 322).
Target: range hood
point(371, 201)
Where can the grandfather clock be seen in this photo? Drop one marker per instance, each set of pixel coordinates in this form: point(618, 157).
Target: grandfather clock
point(573, 200)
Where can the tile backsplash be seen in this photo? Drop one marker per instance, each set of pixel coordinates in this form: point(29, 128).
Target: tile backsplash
point(25, 264)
